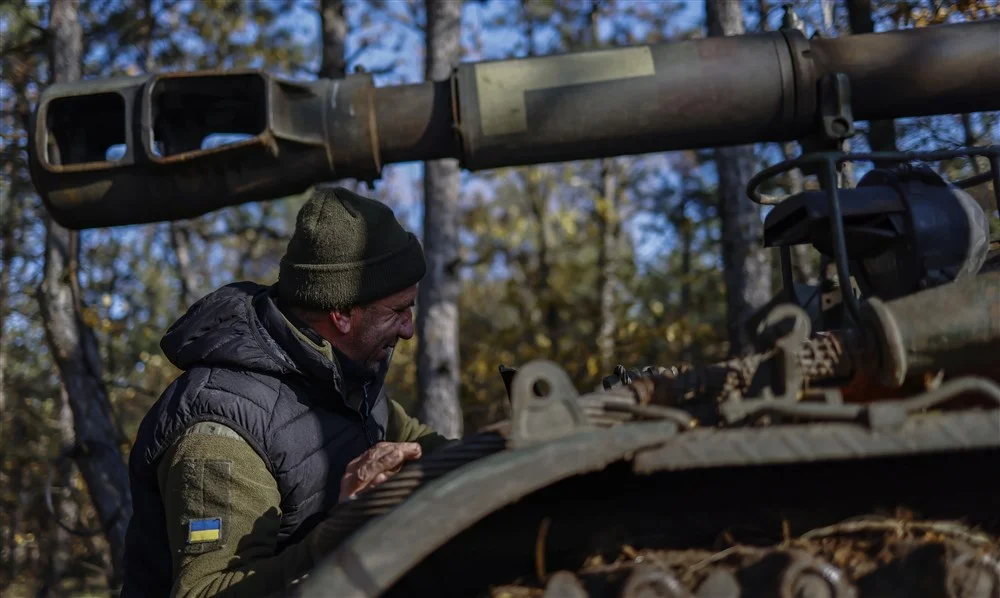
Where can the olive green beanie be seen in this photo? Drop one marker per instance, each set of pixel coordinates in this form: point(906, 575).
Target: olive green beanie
point(347, 250)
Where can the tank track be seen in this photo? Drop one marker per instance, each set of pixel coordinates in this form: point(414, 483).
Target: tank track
point(859, 558)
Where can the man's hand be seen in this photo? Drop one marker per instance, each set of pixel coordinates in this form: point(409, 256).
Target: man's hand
point(375, 466)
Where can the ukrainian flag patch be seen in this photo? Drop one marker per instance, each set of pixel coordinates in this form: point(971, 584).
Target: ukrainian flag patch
point(204, 530)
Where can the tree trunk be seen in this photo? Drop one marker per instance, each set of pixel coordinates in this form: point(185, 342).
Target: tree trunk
point(829, 9)
point(66, 510)
point(686, 228)
point(538, 203)
point(971, 139)
point(437, 311)
point(67, 54)
point(181, 241)
point(331, 14)
point(746, 266)
point(607, 222)
point(74, 345)
point(7, 415)
point(12, 428)
point(21, 558)
point(8, 216)
point(881, 133)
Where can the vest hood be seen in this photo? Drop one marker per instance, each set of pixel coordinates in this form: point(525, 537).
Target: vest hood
point(223, 329)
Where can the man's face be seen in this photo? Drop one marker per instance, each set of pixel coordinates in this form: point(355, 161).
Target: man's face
point(376, 328)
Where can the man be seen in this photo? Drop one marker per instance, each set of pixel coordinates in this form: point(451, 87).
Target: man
point(279, 413)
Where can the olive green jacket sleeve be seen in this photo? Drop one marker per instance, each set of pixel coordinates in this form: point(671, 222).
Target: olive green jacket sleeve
point(212, 473)
point(403, 428)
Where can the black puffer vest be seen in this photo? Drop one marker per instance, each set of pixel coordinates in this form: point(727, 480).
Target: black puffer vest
point(246, 368)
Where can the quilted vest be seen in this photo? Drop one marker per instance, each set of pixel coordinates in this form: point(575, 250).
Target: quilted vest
point(244, 367)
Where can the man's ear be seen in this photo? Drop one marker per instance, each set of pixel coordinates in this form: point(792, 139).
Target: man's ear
point(341, 321)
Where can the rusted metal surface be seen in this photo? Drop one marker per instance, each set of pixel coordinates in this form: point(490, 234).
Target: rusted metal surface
point(917, 71)
point(699, 93)
point(416, 120)
point(682, 95)
point(352, 132)
point(292, 135)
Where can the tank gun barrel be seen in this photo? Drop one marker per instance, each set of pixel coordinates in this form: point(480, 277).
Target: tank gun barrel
point(133, 150)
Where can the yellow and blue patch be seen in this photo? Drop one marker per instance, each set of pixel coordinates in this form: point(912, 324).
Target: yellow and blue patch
point(204, 530)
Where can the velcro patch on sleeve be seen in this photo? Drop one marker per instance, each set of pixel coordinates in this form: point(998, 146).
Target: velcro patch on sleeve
point(208, 486)
point(204, 530)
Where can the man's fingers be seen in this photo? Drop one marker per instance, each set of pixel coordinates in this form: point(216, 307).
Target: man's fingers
point(348, 486)
point(377, 465)
point(376, 452)
point(406, 451)
point(390, 460)
point(380, 450)
point(353, 464)
point(386, 462)
point(411, 450)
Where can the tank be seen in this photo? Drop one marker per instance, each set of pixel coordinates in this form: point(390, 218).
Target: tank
point(852, 454)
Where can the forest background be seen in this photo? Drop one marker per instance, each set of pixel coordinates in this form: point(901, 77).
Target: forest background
point(634, 260)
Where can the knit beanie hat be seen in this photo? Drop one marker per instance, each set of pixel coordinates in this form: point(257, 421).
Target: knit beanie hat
point(347, 250)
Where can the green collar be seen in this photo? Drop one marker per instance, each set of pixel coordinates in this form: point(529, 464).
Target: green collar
point(323, 347)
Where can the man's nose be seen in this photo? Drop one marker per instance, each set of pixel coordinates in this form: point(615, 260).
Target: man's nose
point(406, 329)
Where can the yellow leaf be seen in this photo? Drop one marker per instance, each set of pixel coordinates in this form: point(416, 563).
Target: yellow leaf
point(570, 225)
point(90, 317)
point(543, 341)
